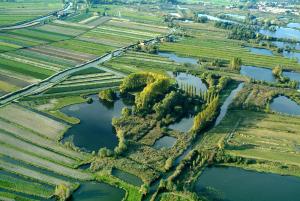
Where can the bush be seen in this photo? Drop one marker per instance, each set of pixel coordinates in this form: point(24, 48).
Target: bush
point(108, 95)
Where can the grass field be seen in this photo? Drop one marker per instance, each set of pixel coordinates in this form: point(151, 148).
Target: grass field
point(32, 158)
point(211, 42)
point(18, 11)
point(261, 136)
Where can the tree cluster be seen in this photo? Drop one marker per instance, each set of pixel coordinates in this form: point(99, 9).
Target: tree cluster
point(207, 116)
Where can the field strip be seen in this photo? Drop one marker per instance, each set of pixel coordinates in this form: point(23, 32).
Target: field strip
point(119, 35)
point(19, 170)
point(9, 45)
point(28, 187)
point(103, 41)
point(40, 65)
point(72, 24)
point(88, 19)
point(7, 196)
point(88, 80)
point(140, 33)
point(33, 121)
point(35, 150)
point(19, 76)
point(39, 140)
point(89, 84)
point(150, 60)
point(42, 163)
point(31, 58)
point(89, 76)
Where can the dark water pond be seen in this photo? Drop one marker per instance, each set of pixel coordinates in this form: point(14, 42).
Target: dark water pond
point(129, 178)
point(261, 51)
point(178, 59)
point(282, 32)
point(91, 191)
point(265, 74)
point(285, 105)
point(184, 125)
point(95, 129)
point(234, 184)
point(258, 73)
point(165, 142)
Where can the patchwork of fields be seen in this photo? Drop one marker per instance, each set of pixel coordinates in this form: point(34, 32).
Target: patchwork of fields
point(32, 54)
point(212, 43)
point(32, 161)
point(12, 12)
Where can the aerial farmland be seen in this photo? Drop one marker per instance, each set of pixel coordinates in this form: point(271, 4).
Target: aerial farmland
point(149, 100)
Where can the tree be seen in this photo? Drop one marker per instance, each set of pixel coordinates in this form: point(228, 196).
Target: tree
point(169, 163)
point(235, 63)
point(277, 71)
point(104, 152)
point(202, 19)
point(62, 191)
point(108, 95)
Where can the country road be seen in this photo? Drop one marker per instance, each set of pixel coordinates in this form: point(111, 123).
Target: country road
point(36, 21)
point(60, 76)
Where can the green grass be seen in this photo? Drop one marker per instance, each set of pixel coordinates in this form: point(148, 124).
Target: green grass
point(260, 136)
point(18, 11)
point(25, 69)
point(40, 35)
point(82, 46)
point(90, 70)
point(6, 195)
point(28, 187)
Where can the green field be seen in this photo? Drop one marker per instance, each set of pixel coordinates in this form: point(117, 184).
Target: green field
point(20, 11)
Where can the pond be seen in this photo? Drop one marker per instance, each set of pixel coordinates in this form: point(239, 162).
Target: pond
point(292, 55)
point(265, 74)
point(282, 32)
point(227, 103)
point(280, 44)
point(183, 79)
point(261, 51)
point(234, 184)
point(129, 178)
point(285, 105)
point(257, 73)
point(179, 59)
point(189, 79)
point(184, 125)
point(95, 129)
point(90, 191)
point(293, 25)
point(165, 142)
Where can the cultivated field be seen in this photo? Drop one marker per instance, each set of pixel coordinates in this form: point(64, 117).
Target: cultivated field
point(32, 160)
point(13, 12)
